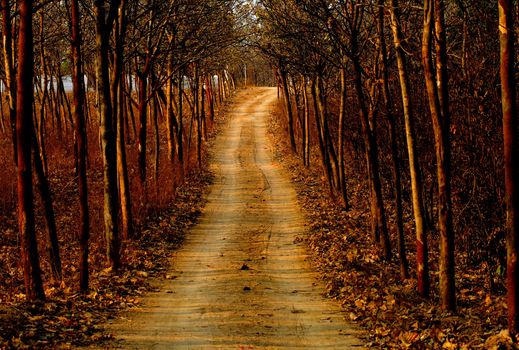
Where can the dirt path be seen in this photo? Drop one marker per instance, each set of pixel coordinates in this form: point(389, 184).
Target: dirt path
point(242, 282)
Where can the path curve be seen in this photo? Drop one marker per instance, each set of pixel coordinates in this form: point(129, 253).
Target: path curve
point(243, 282)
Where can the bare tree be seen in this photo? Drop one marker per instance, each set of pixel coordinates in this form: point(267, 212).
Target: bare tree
point(509, 109)
point(388, 104)
point(24, 134)
point(81, 143)
point(439, 108)
point(416, 182)
point(104, 25)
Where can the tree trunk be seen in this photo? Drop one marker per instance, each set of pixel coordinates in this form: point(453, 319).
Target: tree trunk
point(50, 220)
point(9, 70)
point(130, 107)
point(220, 89)
point(198, 116)
point(306, 123)
point(342, 121)
point(2, 121)
point(180, 131)
point(395, 169)
point(65, 105)
point(155, 119)
point(509, 108)
point(172, 124)
point(210, 96)
point(329, 147)
point(108, 137)
point(379, 215)
point(78, 111)
point(319, 119)
point(54, 105)
point(193, 109)
point(440, 120)
point(443, 156)
point(143, 120)
point(416, 182)
point(297, 103)
point(122, 171)
point(441, 58)
point(24, 134)
point(118, 110)
point(41, 127)
point(288, 108)
point(203, 135)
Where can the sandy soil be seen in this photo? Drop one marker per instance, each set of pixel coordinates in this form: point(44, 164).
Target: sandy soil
point(241, 281)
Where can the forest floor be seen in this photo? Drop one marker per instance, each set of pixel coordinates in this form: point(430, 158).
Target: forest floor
point(69, 319)
point(242, 279)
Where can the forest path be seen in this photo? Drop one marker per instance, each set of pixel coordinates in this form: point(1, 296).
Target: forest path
point(241, 280)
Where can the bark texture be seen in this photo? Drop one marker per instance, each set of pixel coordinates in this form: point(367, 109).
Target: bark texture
point(108, 137)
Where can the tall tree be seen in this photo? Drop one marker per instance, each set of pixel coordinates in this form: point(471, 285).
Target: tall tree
point(437, 93)
point(395, 168)
point(379, 222)
point(81, 143)
point(416, 182)
point(118, 111)
point(509, 109)
point(104, 25)
point(24, 133)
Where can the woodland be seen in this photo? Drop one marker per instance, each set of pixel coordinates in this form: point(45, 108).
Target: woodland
point(396, 119)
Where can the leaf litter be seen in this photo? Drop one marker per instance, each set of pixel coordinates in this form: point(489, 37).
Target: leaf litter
point(69, 319)
point(371, 291)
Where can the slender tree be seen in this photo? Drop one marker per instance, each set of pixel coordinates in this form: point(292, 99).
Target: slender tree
point(9, 70)
point(180, 130)
point(509, 109)
point(172, 124)
point(340, 134)
point(81, 143)
point(288, 104)
point(48, 208)
point(377, 206)
point(118, 110)
point(24, 133)
point(439, 108)
point(416, 182)
point(306, 123)
point(388, 104)
point(104, 24)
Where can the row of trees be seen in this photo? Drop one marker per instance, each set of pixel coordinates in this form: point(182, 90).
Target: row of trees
point(418, 76)
point(132, 65)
